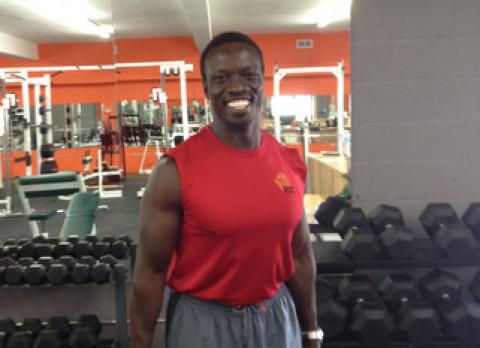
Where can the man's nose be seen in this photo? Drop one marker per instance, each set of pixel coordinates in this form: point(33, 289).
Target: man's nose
point(237, 84)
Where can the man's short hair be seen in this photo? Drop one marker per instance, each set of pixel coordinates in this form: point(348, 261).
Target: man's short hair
point(224, 38)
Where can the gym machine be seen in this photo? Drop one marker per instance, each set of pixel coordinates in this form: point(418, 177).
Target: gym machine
point(6, 202)
point(338, 72)
point(21, 121)
point(100, 176)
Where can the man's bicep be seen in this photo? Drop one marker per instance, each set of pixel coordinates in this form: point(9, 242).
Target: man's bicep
point(160, 217)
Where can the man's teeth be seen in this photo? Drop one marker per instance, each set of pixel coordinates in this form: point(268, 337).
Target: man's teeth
point(238, 104)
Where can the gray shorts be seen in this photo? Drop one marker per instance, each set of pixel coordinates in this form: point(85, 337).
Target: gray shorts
point(194, 323)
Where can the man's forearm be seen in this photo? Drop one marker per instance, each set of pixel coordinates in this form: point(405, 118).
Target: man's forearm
point(302, 288)
point(145, 306)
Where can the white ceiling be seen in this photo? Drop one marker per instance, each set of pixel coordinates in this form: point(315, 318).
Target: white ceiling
point(26, 23)
point(148, 18)
point(17, 19)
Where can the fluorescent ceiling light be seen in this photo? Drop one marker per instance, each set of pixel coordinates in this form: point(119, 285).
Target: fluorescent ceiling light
point(331, 11)
point(76, 15)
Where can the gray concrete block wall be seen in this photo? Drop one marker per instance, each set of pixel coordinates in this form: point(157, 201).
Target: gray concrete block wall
point(415, 104)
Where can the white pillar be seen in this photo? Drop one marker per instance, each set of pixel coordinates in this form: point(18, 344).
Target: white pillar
point(183, 96)
point(38, 122)
point(48, 106)
point(27, 143)
point(277, 77)
point(340, 107)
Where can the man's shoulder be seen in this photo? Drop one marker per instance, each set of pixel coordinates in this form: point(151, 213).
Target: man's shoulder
point(191, 144)
point(286, 151)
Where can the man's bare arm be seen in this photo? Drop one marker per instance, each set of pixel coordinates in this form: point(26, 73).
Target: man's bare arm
point(302, 283)
point(160, 221)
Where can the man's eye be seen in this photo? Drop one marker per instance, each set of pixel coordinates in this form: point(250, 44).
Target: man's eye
point(251, 76)
point(219, 78)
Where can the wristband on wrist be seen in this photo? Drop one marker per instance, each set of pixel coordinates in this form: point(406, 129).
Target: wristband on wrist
point(314, 335)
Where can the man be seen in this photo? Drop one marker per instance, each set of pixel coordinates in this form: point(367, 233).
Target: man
point(222, 223)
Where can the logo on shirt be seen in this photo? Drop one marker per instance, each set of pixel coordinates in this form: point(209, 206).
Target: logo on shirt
point(282, 181)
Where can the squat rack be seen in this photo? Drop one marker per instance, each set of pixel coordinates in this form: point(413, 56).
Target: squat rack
point(338, 72)
point(37, 83)
point(6, 202)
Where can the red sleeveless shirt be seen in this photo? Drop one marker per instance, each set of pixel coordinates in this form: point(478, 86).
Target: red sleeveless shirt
point(240, 209)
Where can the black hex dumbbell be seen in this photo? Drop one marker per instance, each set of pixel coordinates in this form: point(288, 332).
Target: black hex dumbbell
point(86, 333)
point(43, 249)
point(73, 239)
point(471, 218)
point(15, 275)
point(461, 320)
point(35, 274)
point(25, 261)
point(82, 248)
point(444, 289)
point(6, 261)
point(474, 286)
point(109, 259)
point(20, 339)
point(441, 287)
point(63, 248)
point(53, 240)
point(7, 326)
point(443, 226)
point(100, 249)
point(49, 339)
point(61, 324)
point(416, 320)
point(34, 325)
point(39, 239)
point(81, 270)
point(327, 210)
point(100, 272)
point(332, 315)
point(397, 240)
point(58, 273)
point(92, 239)
point(11, 250)
point(370, 319)
point(118, 248)
point(2, 275)
point(359, 242)
point(26, 249)
point(3, 253)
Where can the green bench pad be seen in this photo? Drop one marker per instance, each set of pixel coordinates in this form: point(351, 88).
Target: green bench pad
point(48, 178)
point(41, 216)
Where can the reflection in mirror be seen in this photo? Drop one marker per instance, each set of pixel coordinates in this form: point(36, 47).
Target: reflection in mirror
point(56, 69)
point(317, 98)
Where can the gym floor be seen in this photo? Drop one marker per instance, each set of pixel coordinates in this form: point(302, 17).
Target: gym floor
point(121, 218)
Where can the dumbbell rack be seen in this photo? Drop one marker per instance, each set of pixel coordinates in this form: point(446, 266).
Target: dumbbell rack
point(24, 300)
point(332, 262)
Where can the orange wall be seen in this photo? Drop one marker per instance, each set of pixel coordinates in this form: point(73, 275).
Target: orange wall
point(107, 87)
point(100, 86)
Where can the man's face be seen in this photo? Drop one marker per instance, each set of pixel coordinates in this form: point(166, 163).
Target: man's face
point(234, 83)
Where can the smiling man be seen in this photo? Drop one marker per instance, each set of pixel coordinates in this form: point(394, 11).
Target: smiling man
point(223, 225)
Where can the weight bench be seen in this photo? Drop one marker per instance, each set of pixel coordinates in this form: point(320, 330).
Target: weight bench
point(80, 215)
point(45, 185)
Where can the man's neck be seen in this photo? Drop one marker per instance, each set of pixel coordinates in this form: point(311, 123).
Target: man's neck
point(245, 138)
